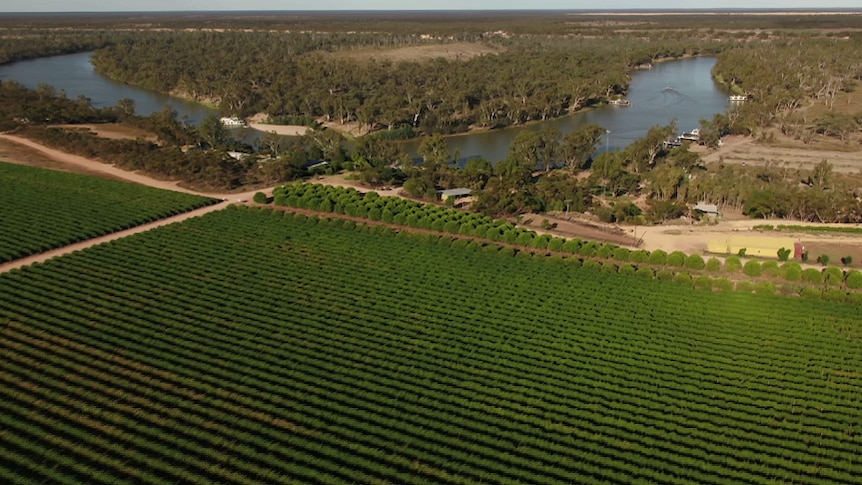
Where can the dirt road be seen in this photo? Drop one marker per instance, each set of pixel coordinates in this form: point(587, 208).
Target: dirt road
point(94, 166)
point(38, 258)
point(98, 168)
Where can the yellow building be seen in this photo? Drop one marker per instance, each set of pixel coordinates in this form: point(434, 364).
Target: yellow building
point(763, 246)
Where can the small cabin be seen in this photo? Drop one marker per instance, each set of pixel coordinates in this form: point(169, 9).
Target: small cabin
point(709, 210)
point(454, 194)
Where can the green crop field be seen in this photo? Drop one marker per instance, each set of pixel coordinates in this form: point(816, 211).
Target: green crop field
point(250, 346)
point(44, 209)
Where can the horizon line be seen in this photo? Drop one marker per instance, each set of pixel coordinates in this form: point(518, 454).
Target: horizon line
point(500, 10)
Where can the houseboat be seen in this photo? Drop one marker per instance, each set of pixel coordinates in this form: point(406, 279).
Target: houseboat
point(694, 135)
point(233, 122)
point(620, 102)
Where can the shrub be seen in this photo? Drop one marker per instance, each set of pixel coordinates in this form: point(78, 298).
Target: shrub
point(259, 198)
point(676, 258)
point(703, 282)
point(664, 275)
point(732, 264)
point(605, 251)
point(609, 268)
point(833, 294)
point(805, 256)
point(752, 268)
point(723, 284)
point(809, 292)
point(627, 269)
point(847, 260)
point(744, 286)
point(784, 254)
point(770, 268)
point(639, 256)
point(823, 259)
point(572, 246)
point(713, 265)
point(645, 273)
point(621, 254)
point(589, 249)
point(764, 288)
point(524, 239)
point(658, 257)
point(741, 252)
point(493, 234)
point(791, 271)
point(684, 278)
point(592, 264)
point(573, 261)
point(556, 244)
point(541, 242)
point(812, 275)
point(854, 280)
point(833, 276)
point(507, 251)
point(695, 261)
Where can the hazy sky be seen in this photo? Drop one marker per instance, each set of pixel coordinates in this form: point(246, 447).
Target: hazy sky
point(163, 5)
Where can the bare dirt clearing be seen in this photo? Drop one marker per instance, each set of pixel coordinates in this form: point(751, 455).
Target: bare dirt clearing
point(784, 154)
point(12, 152)
point(113, 131)
point(76, 163)
point(456, 51)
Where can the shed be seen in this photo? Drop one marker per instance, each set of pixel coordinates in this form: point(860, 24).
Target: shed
point(710, 210)
point(454, 193)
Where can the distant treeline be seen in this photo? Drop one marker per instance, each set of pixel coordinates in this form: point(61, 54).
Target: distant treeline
point(310, 74)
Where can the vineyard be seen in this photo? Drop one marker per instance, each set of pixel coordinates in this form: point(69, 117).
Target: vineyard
point(255, 346)
point(46, 209)
point(830, 283)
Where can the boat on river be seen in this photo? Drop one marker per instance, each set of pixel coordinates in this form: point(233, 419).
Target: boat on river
point(738, 97)
point(233, 122)
point(693, 135)
point(620, 102)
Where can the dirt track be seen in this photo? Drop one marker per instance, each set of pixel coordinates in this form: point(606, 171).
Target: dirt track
point(97, 168)
point(94, 166)
point(689, 239)
point(41, 257)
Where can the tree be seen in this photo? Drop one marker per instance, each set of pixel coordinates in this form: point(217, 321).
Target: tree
point(579, 145)
point(212, 132)
point(273, 142)
point(526, 149)
point(644, 152)
point(434, 150)
point(126, 107)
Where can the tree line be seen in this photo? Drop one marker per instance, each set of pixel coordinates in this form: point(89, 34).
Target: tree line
point(306, 74)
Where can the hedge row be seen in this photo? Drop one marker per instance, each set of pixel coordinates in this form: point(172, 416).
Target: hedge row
point(395, 210)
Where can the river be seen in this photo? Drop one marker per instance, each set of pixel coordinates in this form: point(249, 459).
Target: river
point(681, 90)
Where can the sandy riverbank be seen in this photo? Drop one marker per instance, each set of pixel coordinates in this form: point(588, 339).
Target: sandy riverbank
point(282, 130)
